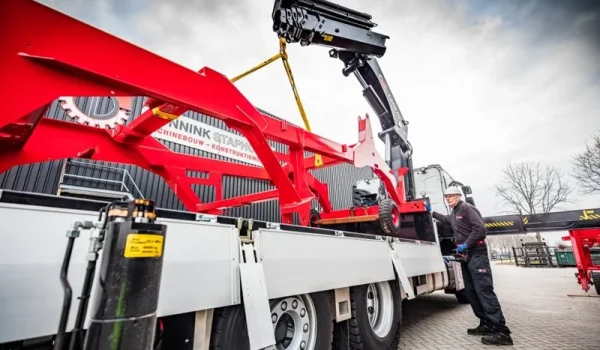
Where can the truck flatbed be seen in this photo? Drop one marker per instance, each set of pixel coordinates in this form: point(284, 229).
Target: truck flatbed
point(203, 260)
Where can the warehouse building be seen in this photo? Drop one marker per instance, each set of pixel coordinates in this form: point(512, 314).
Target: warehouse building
point(93, 179)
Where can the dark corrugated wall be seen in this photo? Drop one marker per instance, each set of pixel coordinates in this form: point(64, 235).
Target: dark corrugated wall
point(45, 177)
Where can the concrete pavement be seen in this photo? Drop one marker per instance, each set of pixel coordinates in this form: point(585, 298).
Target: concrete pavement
point(535, 304)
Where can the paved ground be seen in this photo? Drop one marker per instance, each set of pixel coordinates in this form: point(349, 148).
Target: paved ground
point(535, 304)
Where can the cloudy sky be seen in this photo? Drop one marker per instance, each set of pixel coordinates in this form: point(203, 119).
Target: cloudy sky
point(482, 83)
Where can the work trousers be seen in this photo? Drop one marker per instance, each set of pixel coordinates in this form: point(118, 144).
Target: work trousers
point(479, 289)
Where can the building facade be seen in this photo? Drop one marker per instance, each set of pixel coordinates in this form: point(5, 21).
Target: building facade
point(81, 177)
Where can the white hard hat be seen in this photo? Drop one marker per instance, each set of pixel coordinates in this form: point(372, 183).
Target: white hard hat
point(452, 190)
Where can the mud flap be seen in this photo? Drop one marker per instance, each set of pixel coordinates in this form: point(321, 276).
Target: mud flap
point(403, 279)
point(256, 302)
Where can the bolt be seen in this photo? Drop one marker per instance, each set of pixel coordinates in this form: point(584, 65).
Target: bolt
point(302, 312)
point(284, 306)
point(303, 345)
point(305, 328)
point(295, 304)
point(274, 318)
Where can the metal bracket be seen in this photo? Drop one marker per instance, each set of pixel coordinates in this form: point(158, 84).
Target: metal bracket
point(404, 282)
point(458, 277)
point(273, 226)
point(202, 329)
point(342, 304)
point(256, 300)
point(206, 218)
point(246, 235)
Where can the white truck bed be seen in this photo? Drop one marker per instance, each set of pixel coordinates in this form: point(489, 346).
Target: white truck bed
point(202, 262)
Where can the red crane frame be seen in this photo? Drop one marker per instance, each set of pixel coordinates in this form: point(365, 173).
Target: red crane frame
point(581, 241)
point(36, 70)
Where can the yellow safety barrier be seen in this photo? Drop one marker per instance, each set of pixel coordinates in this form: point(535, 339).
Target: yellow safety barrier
point(288, 69)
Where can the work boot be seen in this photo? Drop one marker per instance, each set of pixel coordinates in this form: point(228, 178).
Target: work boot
point(497, 338)
point(480, 330)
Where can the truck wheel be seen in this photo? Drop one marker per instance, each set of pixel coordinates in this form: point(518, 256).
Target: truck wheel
point(303, 322)
point(596, 280)
point(229, 329)
point(376, 318)
point(299, 322)
point(314, 216)
point(389, 217)
point(461, 297)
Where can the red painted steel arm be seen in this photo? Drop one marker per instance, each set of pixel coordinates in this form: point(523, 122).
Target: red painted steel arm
point(147, 123)
point(38, 69)
point(42, 70)
point(96, 144)
point(92, 70)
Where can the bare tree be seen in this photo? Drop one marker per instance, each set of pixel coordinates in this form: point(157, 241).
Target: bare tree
point(530, 188)
point(586, 167)
point(502, 243)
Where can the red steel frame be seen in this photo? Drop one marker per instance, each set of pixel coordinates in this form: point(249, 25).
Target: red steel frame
point(582, 240)
point(46, 54)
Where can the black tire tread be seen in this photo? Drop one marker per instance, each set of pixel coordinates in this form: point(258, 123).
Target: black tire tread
point(385, 217)
point(355, 341)
point(224, 319)
point(227, 318)
point(596, 280)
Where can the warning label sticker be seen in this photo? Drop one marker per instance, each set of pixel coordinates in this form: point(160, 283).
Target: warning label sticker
point(139, 245)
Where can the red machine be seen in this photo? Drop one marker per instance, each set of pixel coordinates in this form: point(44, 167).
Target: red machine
point(36, 70)
point(584, 234)
point(588, 271)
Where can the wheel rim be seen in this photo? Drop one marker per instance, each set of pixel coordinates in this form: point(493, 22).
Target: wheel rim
point(380, 308)
point(294, 323)
point(395, 217)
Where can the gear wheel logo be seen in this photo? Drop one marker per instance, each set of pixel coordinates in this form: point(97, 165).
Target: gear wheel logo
point(118, 115)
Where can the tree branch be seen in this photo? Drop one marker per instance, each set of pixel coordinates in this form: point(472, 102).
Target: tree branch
point(586, 167)
point(530, 188)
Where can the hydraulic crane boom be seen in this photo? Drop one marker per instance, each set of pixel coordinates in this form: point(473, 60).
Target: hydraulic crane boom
point(348, 32)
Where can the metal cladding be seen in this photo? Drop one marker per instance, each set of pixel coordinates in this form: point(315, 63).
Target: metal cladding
point(45, 177)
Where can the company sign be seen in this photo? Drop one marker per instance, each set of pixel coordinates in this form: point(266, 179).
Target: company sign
point(183, 130)
point(192, 133)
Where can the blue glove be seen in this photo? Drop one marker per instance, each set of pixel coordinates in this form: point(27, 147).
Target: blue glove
point(461, 247)
point(427, 206)
point(446, 259)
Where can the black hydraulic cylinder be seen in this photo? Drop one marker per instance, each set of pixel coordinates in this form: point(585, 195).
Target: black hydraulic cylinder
point(124, 311)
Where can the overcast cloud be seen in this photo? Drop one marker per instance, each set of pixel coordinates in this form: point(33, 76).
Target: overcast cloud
point(482, 83)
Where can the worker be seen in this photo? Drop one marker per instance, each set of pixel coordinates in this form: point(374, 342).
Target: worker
point(469, 236)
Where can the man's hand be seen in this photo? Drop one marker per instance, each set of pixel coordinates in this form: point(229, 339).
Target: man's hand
point(461, 247)
point(427, 206)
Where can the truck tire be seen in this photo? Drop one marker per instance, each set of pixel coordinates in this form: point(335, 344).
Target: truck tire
point(389, 217)
point(596, 280)
point(313, 216)
point(303, 320)
point(229, 329)
point(461, 297)
point(376, 318)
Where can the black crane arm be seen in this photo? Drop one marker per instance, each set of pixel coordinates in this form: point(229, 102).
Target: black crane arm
point(349, 35)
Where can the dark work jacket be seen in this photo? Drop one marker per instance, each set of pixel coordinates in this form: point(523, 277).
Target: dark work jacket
point(466, 222)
